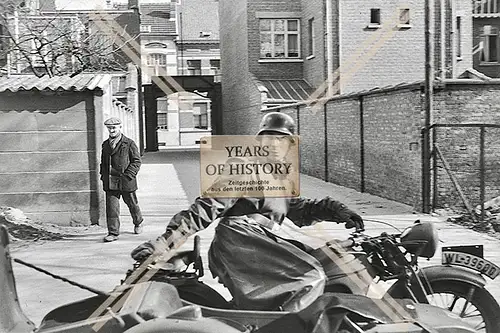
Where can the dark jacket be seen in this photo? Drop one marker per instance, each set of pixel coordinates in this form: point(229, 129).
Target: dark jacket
point(301, 211)
point(123, 162)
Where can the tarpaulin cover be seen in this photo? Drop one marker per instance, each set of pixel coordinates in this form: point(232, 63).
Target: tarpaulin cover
point(261, 270)
point(330, 308)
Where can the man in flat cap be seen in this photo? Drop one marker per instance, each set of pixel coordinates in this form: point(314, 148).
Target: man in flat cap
point(120, 163)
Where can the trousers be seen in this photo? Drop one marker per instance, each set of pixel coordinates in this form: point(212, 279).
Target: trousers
point(113, 210)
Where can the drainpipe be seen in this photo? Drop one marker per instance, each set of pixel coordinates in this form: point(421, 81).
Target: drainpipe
point(453, 40)
point(329, 47)
point(443, 39)
point(429, 81)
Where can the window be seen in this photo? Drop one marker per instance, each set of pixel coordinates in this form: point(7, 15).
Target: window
point(485, 6)
point(145, 28)
point(215, 66)
point(162, 120)
point(459, 37)
point(279, 38)
point(200, 115)
point(310, 37)
point(194, 67)
point(157, 59)
point(404, 16)
point(375, 16)
point(490, 44)
point(157, 64)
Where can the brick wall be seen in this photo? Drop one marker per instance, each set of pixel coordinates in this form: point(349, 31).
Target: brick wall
point(460, 104)
point(312, 138)
point(343, 151)
point(274, 70)
point(390, 54)
point(491, 69)
point(314, 66)
point(392, 123)
point(366, 53)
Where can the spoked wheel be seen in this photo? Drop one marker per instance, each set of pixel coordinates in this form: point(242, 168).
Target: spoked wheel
point(475, 305)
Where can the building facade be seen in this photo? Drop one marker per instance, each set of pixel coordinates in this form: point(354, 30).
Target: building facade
point(181, 39)
point(486, 37)
point(280, 52)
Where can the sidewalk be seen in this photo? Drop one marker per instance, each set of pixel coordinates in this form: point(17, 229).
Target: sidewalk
point(87, 260)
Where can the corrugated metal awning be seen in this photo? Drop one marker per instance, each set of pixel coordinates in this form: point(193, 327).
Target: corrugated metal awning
point(80, 82)
point(287, 90)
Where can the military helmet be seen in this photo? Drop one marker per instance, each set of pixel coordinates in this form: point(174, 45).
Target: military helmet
point(277, 122)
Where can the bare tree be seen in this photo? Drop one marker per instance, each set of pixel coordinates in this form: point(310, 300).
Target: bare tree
point(56, 45)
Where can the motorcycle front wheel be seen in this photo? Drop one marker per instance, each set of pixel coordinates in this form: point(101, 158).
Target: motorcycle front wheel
point(475, 305)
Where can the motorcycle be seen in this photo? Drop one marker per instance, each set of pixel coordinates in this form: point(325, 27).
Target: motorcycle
point(154, 307)
point(354, 265)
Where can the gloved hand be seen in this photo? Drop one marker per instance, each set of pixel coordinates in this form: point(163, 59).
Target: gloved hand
point(350, 218)
point(355, 221)
point(143, 251)
point(157, 247)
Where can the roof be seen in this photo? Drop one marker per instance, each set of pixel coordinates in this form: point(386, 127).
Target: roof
point(80, 82)
point(158, 15)
point(286, 90)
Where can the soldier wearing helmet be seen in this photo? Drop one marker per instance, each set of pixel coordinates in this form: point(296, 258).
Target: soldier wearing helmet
point(261, 269)
point(276, 123)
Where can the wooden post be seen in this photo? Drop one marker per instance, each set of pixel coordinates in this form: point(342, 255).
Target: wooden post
point(455, 183)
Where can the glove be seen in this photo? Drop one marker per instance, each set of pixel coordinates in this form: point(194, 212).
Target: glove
point(350, 218)
point(143, 251)
point(355, 221)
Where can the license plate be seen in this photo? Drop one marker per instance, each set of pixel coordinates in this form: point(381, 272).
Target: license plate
point(471, 261)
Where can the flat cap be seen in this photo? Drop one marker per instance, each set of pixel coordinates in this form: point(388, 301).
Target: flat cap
point(113, 121)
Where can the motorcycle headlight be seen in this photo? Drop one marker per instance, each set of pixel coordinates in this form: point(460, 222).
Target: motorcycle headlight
point(421, 238)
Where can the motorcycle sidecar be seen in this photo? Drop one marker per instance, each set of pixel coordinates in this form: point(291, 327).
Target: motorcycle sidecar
point(128, 308)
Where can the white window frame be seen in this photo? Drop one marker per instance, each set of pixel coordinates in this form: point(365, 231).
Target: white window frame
point(145, 28)
point(459, 37)
point(489, 31)
point(156, 59)
point(194, 68)
point(157, 63)
point(200, 115)
point(164, 117)
point(404, 23)
point(286, 33)
point(215, 70)
point(375, 25)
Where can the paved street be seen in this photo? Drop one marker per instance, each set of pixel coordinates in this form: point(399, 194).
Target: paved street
point(168, 181)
